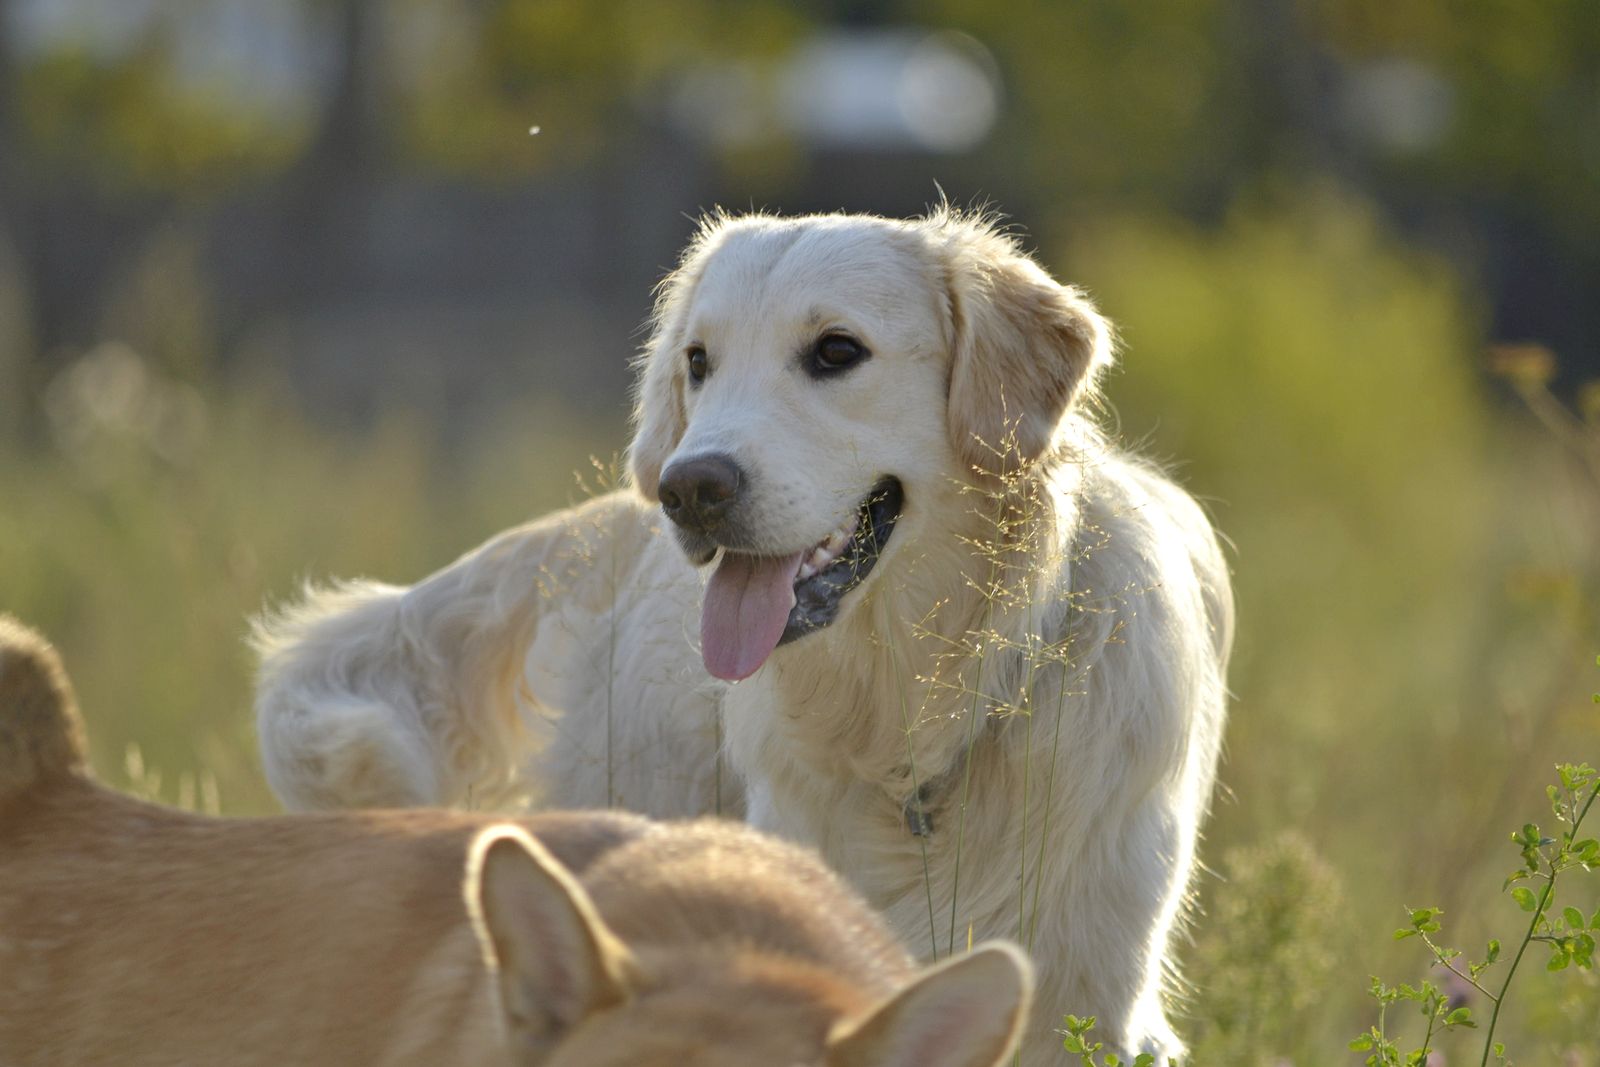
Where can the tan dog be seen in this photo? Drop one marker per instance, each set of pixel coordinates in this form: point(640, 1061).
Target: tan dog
point(138, 935)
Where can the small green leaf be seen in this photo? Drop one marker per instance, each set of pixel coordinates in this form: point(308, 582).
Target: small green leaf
point(1362, 1043)
point(1494, 948)
point(1573, 918)
point(1460, 1017)
point(1524, 898)
point(1401, 935)
point(1561, 955)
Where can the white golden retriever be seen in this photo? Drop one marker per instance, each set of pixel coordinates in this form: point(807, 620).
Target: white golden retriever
point(879, 584)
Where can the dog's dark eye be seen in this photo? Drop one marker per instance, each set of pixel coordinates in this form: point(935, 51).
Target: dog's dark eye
point(836, 352)
point(698, 367)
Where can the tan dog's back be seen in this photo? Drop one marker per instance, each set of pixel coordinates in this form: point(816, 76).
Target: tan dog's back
point(134, 934)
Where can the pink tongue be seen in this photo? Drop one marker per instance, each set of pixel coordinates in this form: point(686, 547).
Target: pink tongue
point(746, 608)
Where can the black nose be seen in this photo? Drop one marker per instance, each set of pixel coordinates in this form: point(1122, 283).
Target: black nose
point(697, 493)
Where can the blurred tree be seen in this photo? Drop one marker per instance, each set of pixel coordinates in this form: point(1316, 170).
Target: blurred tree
point(1506, 173)
point(1476, 127)
point(1117, 102)
point(99, 150)
point(584, 71)
point(328, 189)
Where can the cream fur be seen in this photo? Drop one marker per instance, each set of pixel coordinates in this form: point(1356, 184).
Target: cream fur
point(1042, 649)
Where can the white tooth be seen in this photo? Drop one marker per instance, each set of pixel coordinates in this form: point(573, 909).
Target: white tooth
point(828, 550)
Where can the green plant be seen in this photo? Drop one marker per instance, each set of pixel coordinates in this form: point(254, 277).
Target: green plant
point(1077, 1041)
point(1270, 938)
point(1568, 934)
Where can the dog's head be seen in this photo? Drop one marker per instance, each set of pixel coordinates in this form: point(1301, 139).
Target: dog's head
point(572, 994)
point(812, 384)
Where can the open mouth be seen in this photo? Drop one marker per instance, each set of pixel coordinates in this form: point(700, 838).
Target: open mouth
point(843, 560)
point(755, 603)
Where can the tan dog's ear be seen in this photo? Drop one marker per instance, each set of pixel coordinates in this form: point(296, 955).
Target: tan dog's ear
point(1025, 349)
point(555, 959)
point(965, 1012)
point(659, 419)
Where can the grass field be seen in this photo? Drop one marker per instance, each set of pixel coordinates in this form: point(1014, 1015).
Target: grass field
point(1415, 561)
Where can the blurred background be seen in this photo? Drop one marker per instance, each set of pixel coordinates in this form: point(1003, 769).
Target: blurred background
point(341, 287)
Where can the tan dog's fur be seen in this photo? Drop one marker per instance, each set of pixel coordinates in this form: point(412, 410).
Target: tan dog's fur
point(1034, 672)
point(136, 935)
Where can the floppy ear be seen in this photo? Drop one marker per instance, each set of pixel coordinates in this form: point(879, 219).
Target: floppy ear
point(658, 415)
point(555, 959)
point(659, 419)
point(1025, 349)
point(966, 1012)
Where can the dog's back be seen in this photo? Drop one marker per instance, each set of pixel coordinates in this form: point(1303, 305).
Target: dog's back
point(138, 935)
point(135, 934)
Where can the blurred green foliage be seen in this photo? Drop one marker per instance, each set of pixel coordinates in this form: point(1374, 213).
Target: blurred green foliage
point(1268, 955)
point(542, 61)
point(1528, 77)
point(121, 124)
